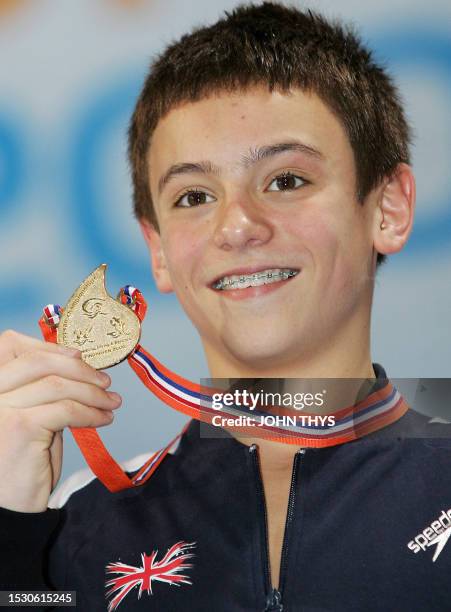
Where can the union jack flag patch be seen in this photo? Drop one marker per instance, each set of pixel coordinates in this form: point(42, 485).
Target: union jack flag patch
point(167, 570)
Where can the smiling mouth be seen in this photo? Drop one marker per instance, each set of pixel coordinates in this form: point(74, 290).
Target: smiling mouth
point(256, 279)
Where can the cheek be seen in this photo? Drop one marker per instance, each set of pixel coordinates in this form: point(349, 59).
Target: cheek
point(318, 237)
point(332, 248)
point(183, 254)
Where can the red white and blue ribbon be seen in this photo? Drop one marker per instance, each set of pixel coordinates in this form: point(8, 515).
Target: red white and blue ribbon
point(52, 313)
point(379, 409)
point(128, 295)
point(375, 411)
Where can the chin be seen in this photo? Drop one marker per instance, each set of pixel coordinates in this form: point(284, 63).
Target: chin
point(261, 353)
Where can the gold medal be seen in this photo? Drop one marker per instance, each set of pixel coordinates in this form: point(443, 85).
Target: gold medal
point(103, 329)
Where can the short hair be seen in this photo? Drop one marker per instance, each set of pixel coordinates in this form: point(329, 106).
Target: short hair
point(283, 48)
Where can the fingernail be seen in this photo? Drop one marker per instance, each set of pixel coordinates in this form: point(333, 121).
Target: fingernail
point(115, 396)
point(71, 352)
point(104, 378)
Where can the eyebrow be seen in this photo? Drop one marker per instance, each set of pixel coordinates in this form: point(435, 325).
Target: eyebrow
point(246, 160)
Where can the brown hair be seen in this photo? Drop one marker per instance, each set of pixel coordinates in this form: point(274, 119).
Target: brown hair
point(282, 48)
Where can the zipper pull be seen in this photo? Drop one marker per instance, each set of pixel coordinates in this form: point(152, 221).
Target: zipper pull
point(274, 602)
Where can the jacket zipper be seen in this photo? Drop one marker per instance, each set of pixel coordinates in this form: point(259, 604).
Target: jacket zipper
point(289, 520)
point(274, 596)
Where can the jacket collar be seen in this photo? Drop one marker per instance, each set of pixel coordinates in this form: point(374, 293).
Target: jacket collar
point(380, 406)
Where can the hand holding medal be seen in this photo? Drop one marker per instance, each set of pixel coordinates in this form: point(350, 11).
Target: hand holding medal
point(44, 388)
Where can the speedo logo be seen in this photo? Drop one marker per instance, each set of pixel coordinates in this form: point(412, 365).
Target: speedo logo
point(437, 534)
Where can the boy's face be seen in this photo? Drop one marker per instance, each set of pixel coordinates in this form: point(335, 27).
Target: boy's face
point(250, 218)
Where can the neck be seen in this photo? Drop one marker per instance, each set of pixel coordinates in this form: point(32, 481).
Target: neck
point(345, 356)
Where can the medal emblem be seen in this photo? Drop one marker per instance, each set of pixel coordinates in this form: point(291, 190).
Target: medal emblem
point(103, 329)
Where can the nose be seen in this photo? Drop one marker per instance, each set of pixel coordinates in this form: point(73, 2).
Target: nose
point(240, 225)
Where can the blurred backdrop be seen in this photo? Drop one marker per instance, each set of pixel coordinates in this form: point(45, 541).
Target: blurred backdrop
point(70, 72)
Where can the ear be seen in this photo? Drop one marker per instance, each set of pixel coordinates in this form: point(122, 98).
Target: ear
point(157, 257)
point(395, 211)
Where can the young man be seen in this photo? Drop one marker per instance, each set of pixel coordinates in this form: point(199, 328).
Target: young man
point(270, 167)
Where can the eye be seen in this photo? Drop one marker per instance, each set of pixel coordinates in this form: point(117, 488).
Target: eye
point(287, 181)
point(193, 197)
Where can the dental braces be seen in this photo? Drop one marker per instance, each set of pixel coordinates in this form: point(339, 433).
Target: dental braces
point(221, 284)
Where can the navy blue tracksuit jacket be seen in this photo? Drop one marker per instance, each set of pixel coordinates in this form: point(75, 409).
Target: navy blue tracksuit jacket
point(368, 530)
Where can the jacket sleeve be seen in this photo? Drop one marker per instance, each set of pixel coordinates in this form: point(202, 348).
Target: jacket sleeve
point(24, 539)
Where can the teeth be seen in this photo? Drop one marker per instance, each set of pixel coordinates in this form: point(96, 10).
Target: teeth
point(264, 277)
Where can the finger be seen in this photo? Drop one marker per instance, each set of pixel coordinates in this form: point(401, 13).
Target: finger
point(56, 416)
point(13, 344)
point(54, 388)
point(56, 452)
point(34, 365)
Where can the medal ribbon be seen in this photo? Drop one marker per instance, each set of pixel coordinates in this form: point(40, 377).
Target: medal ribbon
point(377, 410)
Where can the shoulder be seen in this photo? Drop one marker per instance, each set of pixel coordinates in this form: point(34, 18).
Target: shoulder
point(415, 424)
point(91, 494)
point(82, 478)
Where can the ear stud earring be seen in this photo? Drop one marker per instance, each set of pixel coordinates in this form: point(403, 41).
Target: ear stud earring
point(383, 225)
